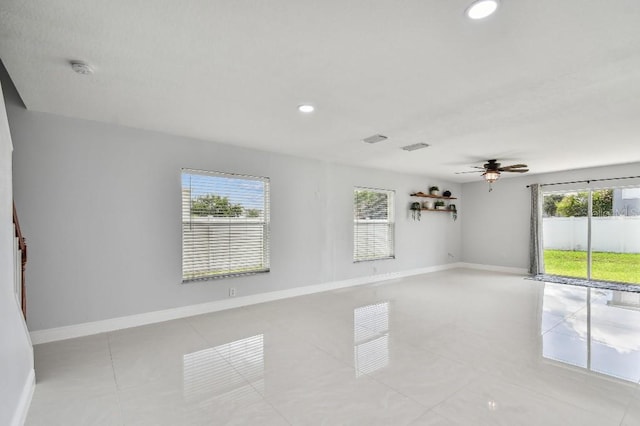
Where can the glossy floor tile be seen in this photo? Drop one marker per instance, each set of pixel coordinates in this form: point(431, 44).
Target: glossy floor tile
point(458, 347)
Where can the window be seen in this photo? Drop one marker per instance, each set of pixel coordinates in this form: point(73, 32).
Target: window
point(373, 225)
point(225, 224)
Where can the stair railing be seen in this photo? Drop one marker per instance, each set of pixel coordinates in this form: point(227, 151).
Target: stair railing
point(20, 256)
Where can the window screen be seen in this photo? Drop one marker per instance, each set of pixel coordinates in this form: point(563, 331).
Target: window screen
point(225, 224)
point(373, 224)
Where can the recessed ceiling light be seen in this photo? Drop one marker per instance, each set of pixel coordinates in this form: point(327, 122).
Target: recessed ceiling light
point(480, 9)
point(306, 108)
point(81, 67)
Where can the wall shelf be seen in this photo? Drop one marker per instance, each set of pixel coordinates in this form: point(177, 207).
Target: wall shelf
point(423, 195)
point(435, 197)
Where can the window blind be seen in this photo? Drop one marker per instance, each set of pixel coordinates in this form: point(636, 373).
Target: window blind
point(225, 224)
point(373, 224)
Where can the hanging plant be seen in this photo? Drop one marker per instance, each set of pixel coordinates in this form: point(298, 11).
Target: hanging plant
point(454, 211)
point(416, 212)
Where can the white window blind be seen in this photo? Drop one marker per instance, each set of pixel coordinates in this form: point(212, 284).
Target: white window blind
point(373, 224)
point(225, 224)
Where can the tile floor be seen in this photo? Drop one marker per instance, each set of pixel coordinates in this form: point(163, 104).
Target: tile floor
point(458, 347)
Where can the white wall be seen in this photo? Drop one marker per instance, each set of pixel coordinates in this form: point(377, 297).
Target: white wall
point(16, 355)
point(101, 207)
point(495, 230)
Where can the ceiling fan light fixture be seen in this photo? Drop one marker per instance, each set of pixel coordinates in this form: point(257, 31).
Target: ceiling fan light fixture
point(491, 175)
point(481, 9)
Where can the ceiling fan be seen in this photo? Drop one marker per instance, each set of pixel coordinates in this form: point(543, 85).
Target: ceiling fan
point(491, 170)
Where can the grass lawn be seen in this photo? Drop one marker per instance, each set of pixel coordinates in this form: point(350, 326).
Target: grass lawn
point(622, 267)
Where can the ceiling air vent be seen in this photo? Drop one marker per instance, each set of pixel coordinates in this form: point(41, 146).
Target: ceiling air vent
point(415, 146)
point(375, 139)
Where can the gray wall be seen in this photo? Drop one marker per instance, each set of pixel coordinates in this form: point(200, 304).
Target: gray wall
point(101, 207)
point(495, 230)
point(16, 355)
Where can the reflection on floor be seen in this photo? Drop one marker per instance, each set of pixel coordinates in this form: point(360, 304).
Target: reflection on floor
point(458, 347)
point(371, 337)
point(582, 282)
point(600, 330)
point(208, 369)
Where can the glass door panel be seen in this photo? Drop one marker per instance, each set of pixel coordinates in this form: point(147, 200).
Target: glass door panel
point(615, 235)
point(565, 233)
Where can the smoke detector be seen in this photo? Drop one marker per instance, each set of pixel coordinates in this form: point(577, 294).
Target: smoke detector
point(81, 67)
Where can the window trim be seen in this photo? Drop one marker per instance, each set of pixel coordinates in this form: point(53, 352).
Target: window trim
point(266, 223)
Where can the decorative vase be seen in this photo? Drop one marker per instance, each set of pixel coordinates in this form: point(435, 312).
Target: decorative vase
point(428, 205)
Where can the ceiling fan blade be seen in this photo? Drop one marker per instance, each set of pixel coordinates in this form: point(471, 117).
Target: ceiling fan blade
point(514, 166)
point(472, 171)
point(516, 171)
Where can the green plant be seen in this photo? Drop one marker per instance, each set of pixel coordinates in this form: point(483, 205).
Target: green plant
point(215, 205)
point(577, 204)
point(416, 211)
point(433, 188)
point(370, 204)
point(550, 204)
point(439, 203)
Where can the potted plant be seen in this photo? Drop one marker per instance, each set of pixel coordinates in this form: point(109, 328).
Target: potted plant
point(439, 205)
point(434, 190)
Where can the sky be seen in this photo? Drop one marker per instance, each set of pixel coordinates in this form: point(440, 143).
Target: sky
point(247, 192)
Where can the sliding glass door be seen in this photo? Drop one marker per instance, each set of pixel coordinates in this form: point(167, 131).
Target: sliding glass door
point(593, 234)
point(565, 233)
point(615, 235)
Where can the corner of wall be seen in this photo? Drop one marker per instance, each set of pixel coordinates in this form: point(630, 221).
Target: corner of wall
point(20, 415)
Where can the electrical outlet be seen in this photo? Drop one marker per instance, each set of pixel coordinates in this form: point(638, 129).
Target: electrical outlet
point(232, 292)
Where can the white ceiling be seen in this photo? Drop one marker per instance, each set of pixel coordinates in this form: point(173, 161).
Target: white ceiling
point(551, 83)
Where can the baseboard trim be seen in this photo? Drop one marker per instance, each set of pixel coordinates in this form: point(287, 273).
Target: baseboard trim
point(96, 327)
point(493, 268)
point(20, 415)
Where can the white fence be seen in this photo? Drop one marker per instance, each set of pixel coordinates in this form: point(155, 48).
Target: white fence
point(618, 234)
